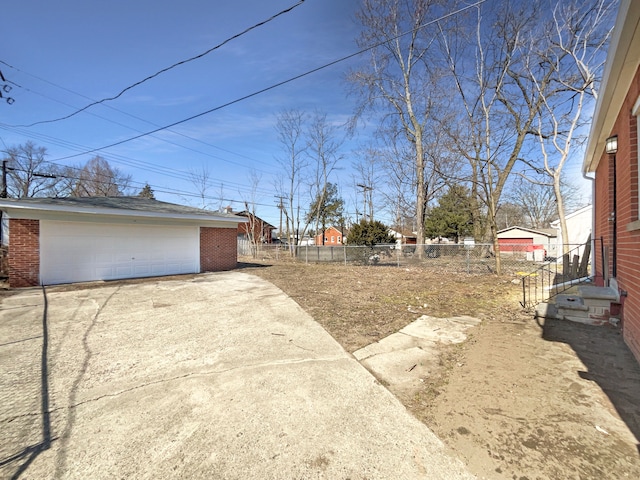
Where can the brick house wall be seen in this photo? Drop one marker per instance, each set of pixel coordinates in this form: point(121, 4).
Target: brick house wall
point(628, 209)
point(218, 249)
point(261, 230)
point(333, 237)
point(24, 252)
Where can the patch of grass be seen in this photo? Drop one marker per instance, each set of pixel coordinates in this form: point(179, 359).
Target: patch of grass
point(359, 305)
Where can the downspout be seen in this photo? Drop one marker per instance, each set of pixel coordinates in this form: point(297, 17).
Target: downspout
point(593, 224)
point(614, 253)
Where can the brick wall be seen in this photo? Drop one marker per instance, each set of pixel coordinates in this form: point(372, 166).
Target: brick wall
point(24, 252)
point(628, 208)
point(218, 249)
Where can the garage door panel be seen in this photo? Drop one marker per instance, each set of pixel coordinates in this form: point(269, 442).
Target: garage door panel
point(77, 251)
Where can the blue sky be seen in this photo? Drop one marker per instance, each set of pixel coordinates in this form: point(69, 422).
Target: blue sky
point(65, 54)
point(69, 51)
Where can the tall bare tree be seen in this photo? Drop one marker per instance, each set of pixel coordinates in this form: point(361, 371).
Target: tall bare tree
point(97, 178)
point(489, 64)
point(290, 130)
point(28, 173)
point(573, 46)
point(399, 81)
point(200, 178)
point(323, 150)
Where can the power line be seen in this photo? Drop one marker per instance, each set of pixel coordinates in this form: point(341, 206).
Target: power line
point(140, 164)
point(279, 84)
point(166, 69)
point(136, 130)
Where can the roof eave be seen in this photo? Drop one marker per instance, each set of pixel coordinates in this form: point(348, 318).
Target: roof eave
point(116, 212)
point(622, 63)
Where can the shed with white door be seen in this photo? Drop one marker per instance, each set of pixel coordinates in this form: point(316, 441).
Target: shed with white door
point(67, 240)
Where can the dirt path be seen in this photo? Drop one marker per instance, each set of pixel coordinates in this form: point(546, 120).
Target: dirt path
point(519, 399)
point(552, 401)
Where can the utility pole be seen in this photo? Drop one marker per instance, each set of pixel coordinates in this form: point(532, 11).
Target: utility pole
point(280, 206)
point(3, 194)
point(365, 189)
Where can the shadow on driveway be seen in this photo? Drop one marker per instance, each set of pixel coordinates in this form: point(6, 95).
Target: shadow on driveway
point(21, 460)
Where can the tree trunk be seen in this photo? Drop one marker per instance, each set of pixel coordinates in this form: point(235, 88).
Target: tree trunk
point(420, 193)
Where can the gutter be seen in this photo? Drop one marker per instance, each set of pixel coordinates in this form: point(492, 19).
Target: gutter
point(119, 212)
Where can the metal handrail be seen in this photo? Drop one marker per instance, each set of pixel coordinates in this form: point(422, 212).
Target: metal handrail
point(553, 277)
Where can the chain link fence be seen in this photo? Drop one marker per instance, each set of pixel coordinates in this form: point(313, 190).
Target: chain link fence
point(476, 258)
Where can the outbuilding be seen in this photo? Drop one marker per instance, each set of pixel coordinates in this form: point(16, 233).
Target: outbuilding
point(67, 240)
point(528, 240)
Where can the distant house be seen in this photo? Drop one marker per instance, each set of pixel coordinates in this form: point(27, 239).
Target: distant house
point(255, 230)
point(332, 237)
point(403, 237)
point(613, 155)
point(539, 243)
point(579, 227)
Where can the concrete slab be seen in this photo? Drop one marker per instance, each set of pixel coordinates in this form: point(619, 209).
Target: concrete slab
point(213, 376)
point(402, 360)
point(392, 343)
point(443, 330)
point(404, 369)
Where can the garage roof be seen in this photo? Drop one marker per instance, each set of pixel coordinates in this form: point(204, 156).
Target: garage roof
point(547, 232)
point(127, 206)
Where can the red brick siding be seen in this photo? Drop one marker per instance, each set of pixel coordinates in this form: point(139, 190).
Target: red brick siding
point(218, 249)
point(330, 232)
point(628, 248)
point(261, 230)
point(24, 252)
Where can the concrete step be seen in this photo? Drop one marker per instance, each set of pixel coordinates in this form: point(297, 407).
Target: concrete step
point(598, 293)
point(571, 302)
point(592, 310)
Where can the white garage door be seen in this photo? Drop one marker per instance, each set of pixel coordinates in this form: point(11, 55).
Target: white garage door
point(78, 251)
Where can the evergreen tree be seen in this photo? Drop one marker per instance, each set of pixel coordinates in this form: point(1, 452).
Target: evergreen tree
point(147, 192)
point(326, 209)
point(369, 233)
point(452, 218)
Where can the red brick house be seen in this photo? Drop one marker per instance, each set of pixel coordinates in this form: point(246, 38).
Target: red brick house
point(613, 156)
point(67, 240)
point(255, 229)
point(332, 237)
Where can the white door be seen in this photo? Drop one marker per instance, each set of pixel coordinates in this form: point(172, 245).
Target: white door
point(83, 251)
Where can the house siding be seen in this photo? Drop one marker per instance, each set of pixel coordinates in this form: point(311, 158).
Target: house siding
point(628, 239)
point(256, 230)
point(24, 253)
point(331, 235)
point(218, 249)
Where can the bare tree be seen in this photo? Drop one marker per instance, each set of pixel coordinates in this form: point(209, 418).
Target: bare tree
point(323, 150)
point(399, 81)
point(489, 65)
point(367, 178)
point(573, 47)
point(97, 178)
point(253, 224)
point(535, 201)
point(28, 173)
point(200, 178)
point(290, 130)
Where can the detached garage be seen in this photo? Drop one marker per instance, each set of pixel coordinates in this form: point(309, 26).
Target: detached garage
point(527, 240)
point(67, 240)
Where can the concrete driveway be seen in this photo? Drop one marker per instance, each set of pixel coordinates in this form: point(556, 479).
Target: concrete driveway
point(210, 376)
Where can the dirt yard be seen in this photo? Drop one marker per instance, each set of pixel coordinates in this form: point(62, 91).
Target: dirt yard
point(520, 399)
